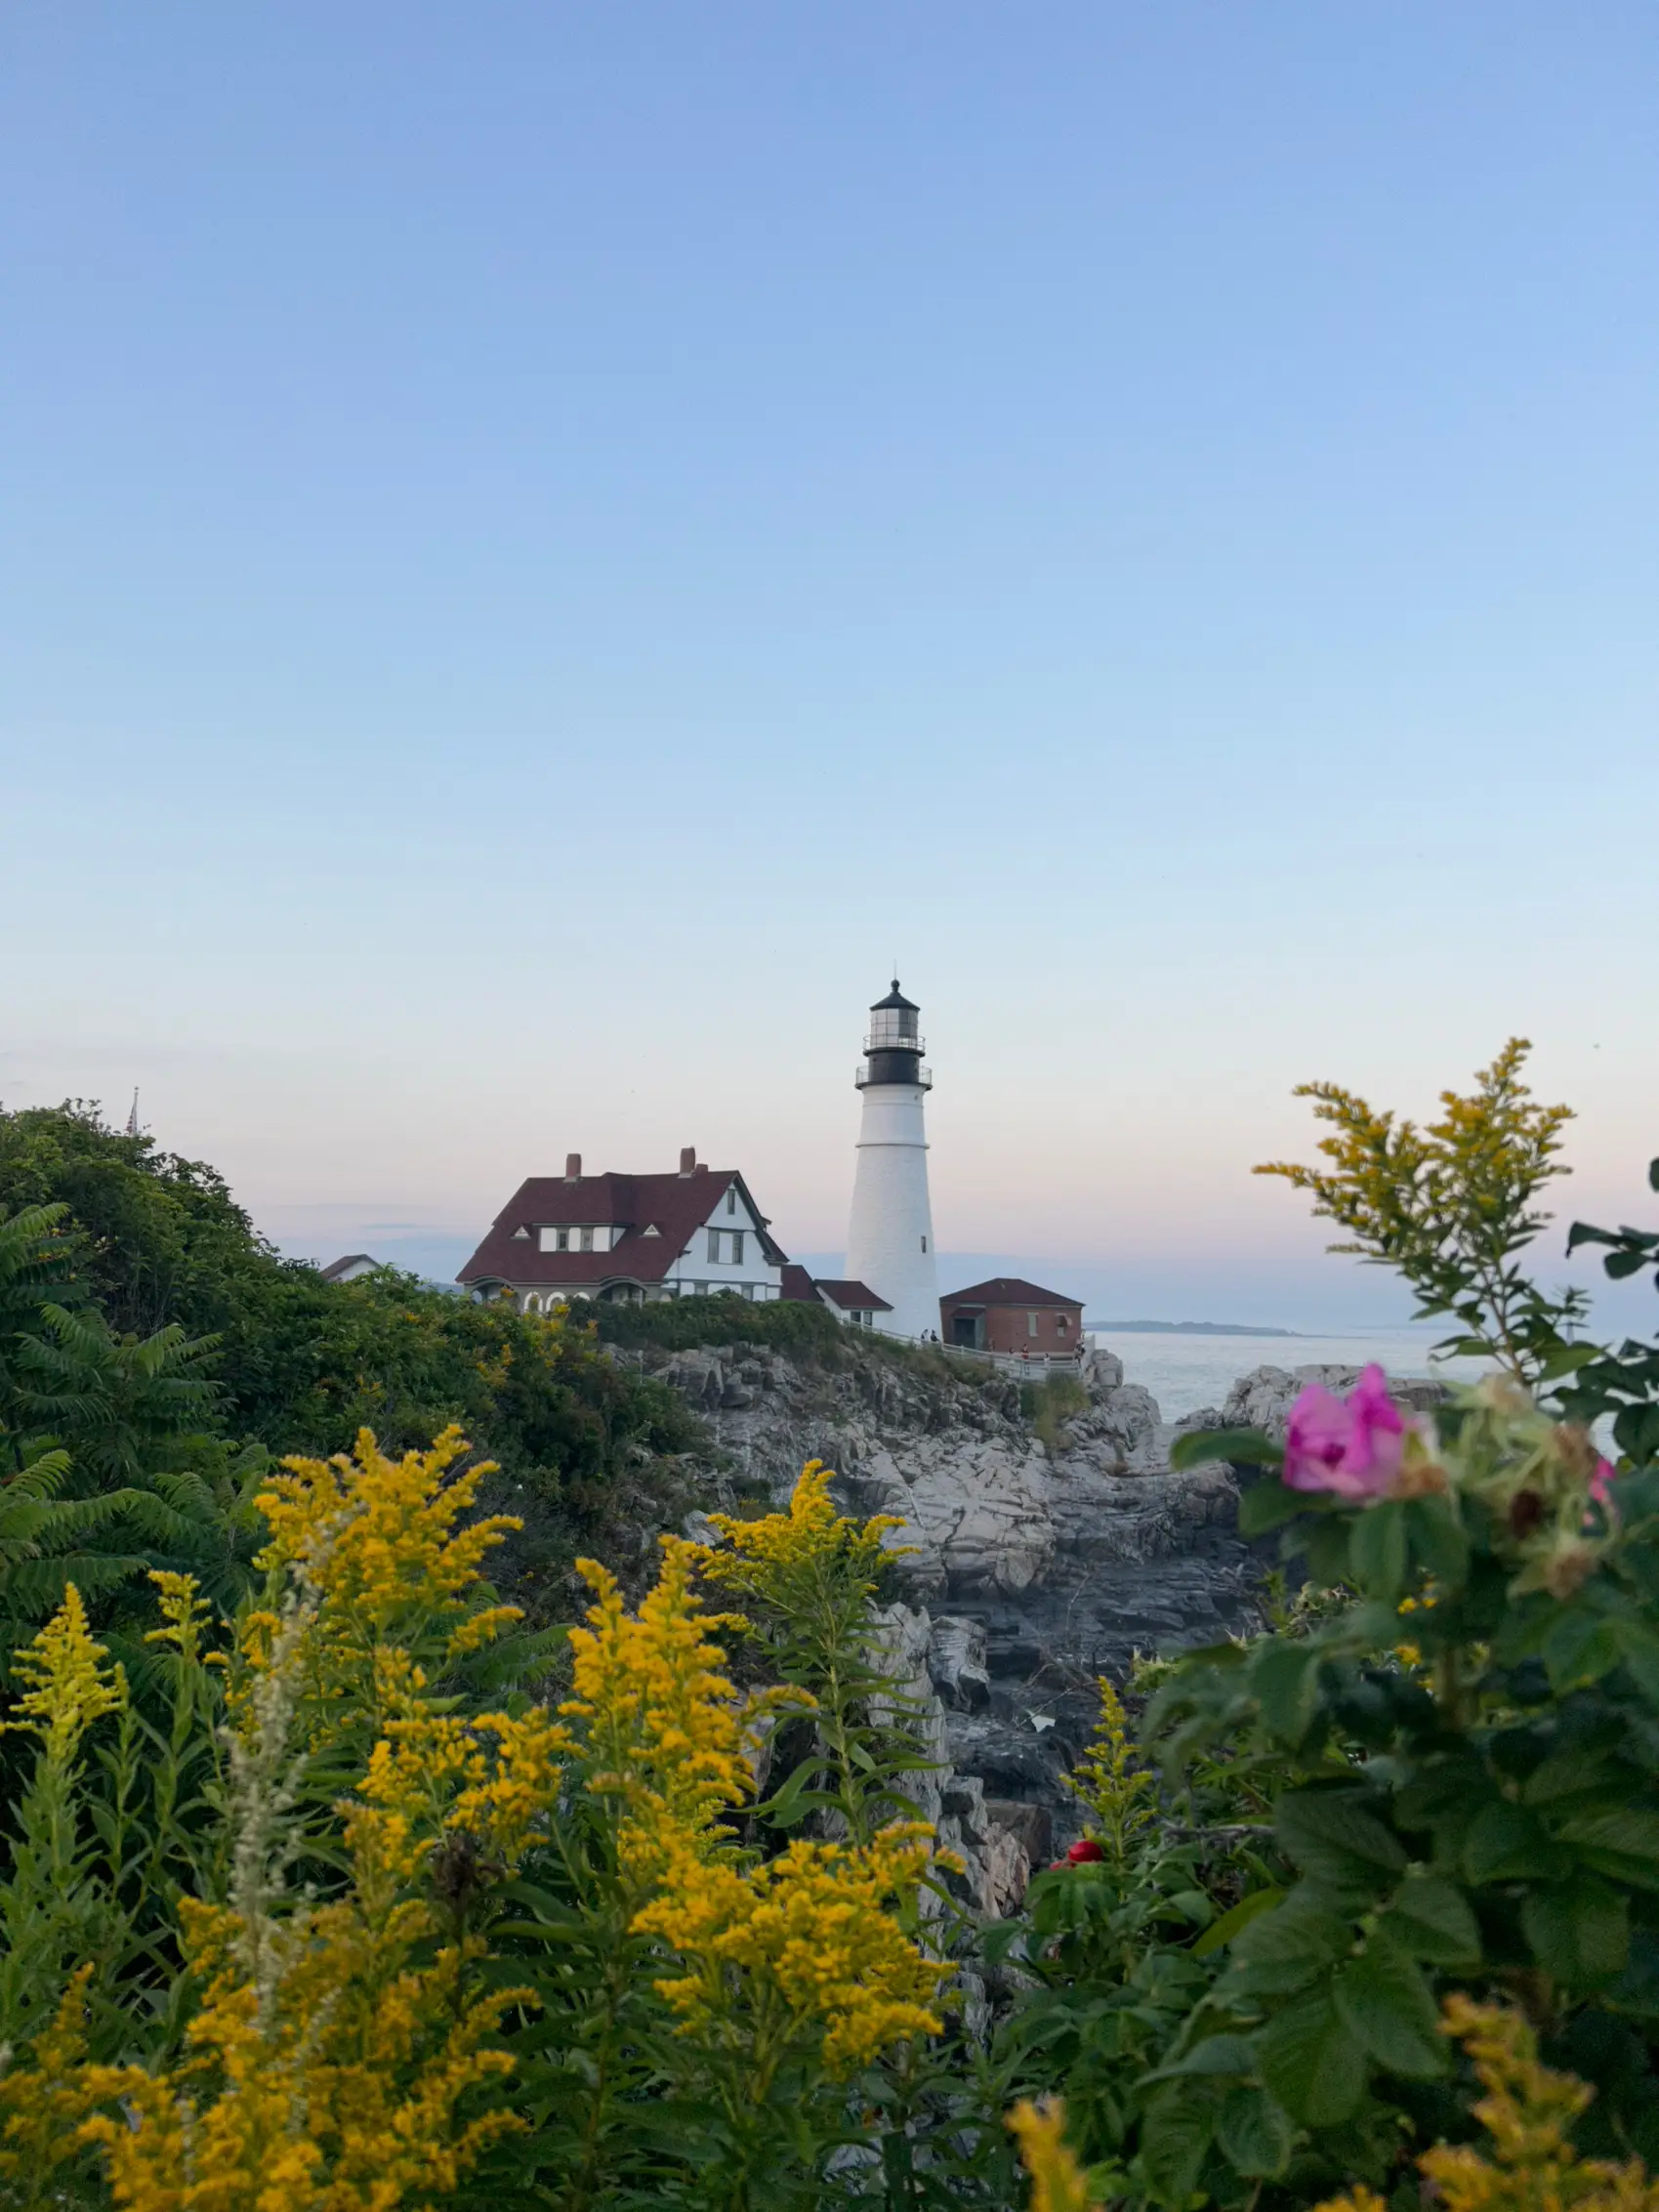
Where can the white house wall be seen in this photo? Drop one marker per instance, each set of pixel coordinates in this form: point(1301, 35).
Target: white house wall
point(694, 1267)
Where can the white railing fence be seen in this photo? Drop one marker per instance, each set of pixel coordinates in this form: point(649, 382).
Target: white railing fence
point(1032, 1367)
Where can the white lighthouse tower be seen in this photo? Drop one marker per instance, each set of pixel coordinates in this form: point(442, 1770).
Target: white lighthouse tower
point(889, 1239)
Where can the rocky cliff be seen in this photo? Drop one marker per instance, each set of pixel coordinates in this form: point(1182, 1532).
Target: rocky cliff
point(1039, 1561)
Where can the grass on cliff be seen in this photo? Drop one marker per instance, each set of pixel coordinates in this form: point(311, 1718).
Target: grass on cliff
point(810, 1334)
point(1049, 1404)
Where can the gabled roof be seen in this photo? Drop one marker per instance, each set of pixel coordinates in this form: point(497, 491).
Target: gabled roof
point(1007, 1290)
point(337, 1268)
point(796, 1283)
point(676, 1206)
point(851, 1297)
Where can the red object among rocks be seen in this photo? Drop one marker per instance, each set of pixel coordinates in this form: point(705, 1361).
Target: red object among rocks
point(1084, 1852)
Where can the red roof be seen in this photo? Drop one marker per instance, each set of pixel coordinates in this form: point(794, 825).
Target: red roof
point(852, 1297)
point(676, 1206)
point(1008, 1290)
point(798, 1284)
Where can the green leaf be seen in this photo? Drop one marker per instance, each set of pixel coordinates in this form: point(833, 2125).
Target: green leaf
point(1191, 1908)
point(780, 1806)
point(1580, 1648)
point(1234, 1923)
point(1249, 1448)
point(1376, 1550)
point(1567, 1358)
point(1266, 1505)
point(1438, 1540)
point(1575, 1772)
point(1254, 2133)
point(1176, 2132)
point(1284, 1951)
point(1312, 2062)
point(1284, 1677)
point(1621, 1840)
point(1391, 2013)
point(1429, 1918)
point(1581, 1232)
point(1579, 1931)
point(1508, 1843)
point(1332, 1837)
point(1327, 1550)
point(1217, 2054)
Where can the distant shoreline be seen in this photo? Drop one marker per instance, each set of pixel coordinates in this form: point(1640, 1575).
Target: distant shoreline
point(1186, 1328)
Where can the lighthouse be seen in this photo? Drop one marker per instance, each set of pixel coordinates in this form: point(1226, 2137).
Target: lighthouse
point(889, 1239)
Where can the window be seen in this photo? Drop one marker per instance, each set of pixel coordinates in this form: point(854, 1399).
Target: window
point(586, 1240)
point(714, 1246)
point(736, 1253)
point(561, 1240)
point(1061, 1323)
point(1030, 1324)
point(731, 1199)
point(924, 1243)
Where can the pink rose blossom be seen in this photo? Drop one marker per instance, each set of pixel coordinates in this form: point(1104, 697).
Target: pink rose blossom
point(1353, 1447)
point(1598, 1484)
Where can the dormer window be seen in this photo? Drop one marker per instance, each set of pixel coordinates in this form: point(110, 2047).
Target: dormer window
point(561, 1240)
point(587, 1237)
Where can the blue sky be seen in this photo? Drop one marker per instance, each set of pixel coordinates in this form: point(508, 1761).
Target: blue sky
point(539, 546)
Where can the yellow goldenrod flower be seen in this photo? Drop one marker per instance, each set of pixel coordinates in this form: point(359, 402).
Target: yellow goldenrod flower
point(809, 1930)
point(1110, 1781)
point(67, 1688)
point(1057, 2184)
point(185, 1614)
point(662, 1728)
point(1528, 2112)
point(760, 1555)
point(386, 1528)
point(44, 2102)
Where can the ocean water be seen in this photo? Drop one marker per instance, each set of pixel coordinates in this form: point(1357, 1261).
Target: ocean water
point(1184, 1373)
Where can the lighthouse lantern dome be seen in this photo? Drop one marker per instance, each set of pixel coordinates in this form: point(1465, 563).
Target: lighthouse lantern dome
point(893, 1023)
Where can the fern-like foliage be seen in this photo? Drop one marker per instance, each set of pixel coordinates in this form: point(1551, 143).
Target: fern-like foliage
point(108, 1464)
point(34, 1264)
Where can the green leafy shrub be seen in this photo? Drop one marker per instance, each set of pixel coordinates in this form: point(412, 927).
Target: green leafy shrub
point(155, 1352)
point(782, 1324)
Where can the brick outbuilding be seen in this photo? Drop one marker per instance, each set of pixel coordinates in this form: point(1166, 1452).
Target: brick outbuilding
point(1014, 1317)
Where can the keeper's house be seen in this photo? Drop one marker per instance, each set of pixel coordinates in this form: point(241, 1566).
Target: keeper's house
point(628, 1237)
point(1014, 1317)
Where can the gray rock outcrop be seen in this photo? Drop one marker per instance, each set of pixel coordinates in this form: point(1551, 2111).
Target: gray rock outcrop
point(1028, 1566)
point(1263, 1398)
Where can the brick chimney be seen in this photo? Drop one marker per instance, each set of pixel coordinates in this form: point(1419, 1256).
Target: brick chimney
point(687, 1160)
point(572, 1167)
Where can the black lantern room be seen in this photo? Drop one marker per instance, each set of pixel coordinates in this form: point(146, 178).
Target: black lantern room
point(893, 1047)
